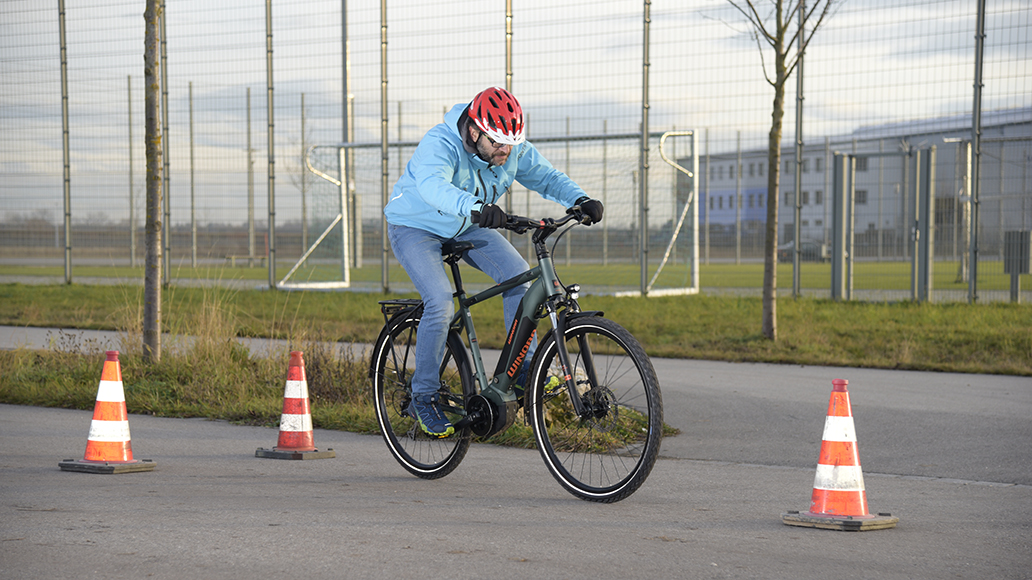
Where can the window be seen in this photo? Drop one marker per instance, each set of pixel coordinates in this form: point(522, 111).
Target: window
point(806, 167)
point(806, 197)
point(720, 201)
point(712, 172)
point(804, 223)
point(818, 165)
point(752, 170)
point(750, 200)
point(761, 168)
point(789, 198)
point(818, 223)
point(861, 164)
point(818, 197)
point(861, 197)
point(731, 172)
point(790, 167)
point(730, 202)
point(720, 172)
point(711, 203)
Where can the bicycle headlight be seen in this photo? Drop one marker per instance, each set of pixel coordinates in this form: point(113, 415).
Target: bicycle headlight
point(573, 290)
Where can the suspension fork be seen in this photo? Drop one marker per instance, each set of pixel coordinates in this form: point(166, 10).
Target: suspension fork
point(559, 319)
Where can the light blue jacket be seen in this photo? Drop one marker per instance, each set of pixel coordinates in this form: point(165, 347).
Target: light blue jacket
point(443, 182)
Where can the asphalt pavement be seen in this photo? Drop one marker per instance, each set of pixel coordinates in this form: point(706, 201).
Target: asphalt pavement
point(949, 454)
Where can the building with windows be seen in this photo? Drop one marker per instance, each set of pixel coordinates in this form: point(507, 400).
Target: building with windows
point(733, 186)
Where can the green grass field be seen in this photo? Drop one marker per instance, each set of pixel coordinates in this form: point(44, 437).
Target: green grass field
point(993, 337)
point(213, 376)
point(591, 277)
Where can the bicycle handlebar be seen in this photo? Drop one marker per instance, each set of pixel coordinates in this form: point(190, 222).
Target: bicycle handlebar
point(521, 224)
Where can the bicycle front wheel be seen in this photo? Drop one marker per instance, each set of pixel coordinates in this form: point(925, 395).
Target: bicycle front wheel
point(393, 362)
point(605, 455)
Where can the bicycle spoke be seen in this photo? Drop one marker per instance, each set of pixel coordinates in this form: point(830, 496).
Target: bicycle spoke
point(606, 454)
point(393, 366)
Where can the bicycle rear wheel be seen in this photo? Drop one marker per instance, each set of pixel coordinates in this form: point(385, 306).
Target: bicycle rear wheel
point(392, 364)
point(607, 455)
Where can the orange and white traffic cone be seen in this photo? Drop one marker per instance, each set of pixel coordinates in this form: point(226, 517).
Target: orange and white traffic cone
point(108, 446)
point(839, 500)
point(295, 436)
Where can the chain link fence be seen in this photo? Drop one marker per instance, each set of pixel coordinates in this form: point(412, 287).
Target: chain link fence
point(877, 80)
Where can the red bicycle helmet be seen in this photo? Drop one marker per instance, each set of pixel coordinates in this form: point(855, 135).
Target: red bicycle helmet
point(498, 113)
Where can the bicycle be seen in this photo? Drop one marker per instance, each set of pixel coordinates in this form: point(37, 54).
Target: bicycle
point(592, 398)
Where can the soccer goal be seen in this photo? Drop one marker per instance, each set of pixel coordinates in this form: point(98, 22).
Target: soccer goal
point(339, 223)
point(689, 213)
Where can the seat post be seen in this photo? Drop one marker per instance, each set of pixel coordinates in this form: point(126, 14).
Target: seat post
point(456, 277)
point(452, 252)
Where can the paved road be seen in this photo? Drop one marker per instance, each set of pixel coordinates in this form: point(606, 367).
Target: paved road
point(950, 454)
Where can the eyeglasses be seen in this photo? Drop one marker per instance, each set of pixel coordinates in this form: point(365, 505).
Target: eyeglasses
point(492, 142)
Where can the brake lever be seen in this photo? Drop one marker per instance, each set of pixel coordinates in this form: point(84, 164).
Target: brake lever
point(576, 212)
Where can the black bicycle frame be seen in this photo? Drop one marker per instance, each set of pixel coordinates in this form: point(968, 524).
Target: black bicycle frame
point(546, 292)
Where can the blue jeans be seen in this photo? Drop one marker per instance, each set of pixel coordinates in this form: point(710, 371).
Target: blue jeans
point(419, 252)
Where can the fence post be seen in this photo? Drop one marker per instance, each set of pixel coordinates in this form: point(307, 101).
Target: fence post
point(839, 195)
point(1017, 257)
point(166, 154)
point(925, 255)
point(976, 151)
point(193, 204)
point(132, 202)
point(694, 257)
point(798, 232)
point(271, 145)
point(67, 181)
point(345, 233)
point(914, 196)
point(250, 188)
point(643, 183)
point(384, 159)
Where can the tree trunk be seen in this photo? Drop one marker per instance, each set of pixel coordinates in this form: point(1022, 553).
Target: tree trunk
point(770, 250)
point(152, 267)
point(777, 37)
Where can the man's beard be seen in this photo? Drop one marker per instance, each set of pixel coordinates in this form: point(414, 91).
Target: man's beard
point(493, 156)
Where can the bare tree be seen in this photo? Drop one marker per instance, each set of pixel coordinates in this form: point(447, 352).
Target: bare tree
point(783, 28)
point(152, 266)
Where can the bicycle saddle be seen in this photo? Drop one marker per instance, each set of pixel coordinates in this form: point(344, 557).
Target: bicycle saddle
point(455, 248)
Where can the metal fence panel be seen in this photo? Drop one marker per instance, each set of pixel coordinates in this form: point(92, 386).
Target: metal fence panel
point(878, 79)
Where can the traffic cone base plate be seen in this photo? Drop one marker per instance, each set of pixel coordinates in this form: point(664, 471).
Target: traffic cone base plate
point(106, 467)
point(275, 453)
point(841, 523)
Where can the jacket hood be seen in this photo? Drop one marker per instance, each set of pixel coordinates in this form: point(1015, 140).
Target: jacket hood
point(451, 118)
point(457, 120)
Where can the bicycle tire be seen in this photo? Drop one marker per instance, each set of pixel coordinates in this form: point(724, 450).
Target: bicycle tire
point(391, 367)
point(608, 456)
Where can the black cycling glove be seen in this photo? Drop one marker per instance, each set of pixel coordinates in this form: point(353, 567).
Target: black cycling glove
point(492, 216)
point(591, 208)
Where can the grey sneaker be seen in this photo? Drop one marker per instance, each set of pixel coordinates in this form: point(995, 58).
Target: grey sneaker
point(427, 412)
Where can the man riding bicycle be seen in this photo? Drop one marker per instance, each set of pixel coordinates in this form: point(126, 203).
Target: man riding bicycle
point(461, 166)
